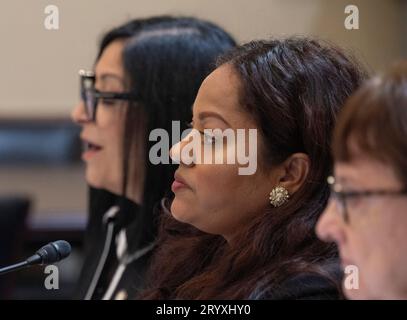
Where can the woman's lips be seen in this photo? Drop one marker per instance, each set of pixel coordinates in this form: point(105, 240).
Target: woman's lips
point(179, 183)
point(176, 185)
point(90, 150)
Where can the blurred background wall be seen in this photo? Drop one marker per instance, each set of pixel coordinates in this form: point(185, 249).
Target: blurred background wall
point(39, 67)
point(39, 85)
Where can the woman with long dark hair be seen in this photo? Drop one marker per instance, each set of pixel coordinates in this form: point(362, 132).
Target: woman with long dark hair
point(146, 75)
point(232, 236)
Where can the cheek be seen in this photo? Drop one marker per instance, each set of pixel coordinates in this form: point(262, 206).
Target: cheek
point(112, 133)
point(361, 248)
point(184, 206)
point(113, 147)
point(106, 170)
point(372, 248)
point(111, 164)
point(221, 201)
point(212, 192)
point(94, 175)
point(388, 262)
point(356, 277)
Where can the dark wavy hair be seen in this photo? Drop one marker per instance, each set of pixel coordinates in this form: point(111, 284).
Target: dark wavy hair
point(165, 60)
point(294, 89)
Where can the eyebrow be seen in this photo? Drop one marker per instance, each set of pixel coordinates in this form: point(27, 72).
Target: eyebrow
point(346, 180)
point(208, 114)
point(340, 179)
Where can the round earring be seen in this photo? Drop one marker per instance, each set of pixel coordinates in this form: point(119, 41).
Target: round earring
point(278, 196)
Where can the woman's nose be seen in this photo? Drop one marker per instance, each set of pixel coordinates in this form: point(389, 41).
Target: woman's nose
point(182, 152)
point(78, 113)
point(330, 226)
point(175, 153)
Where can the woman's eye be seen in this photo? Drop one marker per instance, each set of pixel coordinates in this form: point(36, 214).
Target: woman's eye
point(108, 102)
point(209, 138)
point(353, 202)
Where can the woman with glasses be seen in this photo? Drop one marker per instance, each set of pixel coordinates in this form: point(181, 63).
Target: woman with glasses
point(366, 216)
point(146, 75)
point(228, 235)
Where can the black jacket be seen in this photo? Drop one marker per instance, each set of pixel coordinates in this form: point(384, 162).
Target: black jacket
point(306, 286)
point(112, 270)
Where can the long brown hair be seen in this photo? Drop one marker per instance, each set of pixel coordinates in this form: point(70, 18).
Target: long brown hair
point(294, 88)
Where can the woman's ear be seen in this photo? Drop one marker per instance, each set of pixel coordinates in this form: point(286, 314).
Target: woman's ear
point(294, 171)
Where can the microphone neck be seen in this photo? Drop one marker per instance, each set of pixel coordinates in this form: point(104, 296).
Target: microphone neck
point(34, 259)
point(14, 267)
point(50, 253)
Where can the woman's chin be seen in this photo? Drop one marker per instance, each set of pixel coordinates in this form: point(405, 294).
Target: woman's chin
point(180, 211)
point(94, 181)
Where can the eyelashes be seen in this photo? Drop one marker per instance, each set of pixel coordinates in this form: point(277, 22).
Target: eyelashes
point(206, 137)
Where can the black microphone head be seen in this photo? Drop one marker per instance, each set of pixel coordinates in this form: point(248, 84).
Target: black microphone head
point(54, 251)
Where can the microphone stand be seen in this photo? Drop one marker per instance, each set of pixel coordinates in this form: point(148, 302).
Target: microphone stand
point(14, 267)
point(50, 253)
point(36, 258)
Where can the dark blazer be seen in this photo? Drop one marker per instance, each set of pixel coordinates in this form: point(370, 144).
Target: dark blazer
point(306, 286)
point(102, 238)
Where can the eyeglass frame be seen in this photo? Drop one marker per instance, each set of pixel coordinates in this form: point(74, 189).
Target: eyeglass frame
point(89, 88)
point(342, 196)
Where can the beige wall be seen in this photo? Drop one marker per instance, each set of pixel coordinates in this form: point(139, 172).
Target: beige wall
point(39, 67)
point(54, 191)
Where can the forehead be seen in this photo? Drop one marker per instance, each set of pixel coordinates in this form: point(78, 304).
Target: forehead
point(363, 170)
point(109, 67)
point(219, 93)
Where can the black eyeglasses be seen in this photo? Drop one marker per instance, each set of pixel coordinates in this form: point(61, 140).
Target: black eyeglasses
point(341, 196)
point(91, 96)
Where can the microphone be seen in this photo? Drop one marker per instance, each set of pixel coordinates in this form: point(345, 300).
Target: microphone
point(50, 253)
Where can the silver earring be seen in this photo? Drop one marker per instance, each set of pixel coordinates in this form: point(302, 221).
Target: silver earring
point(278, 196)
